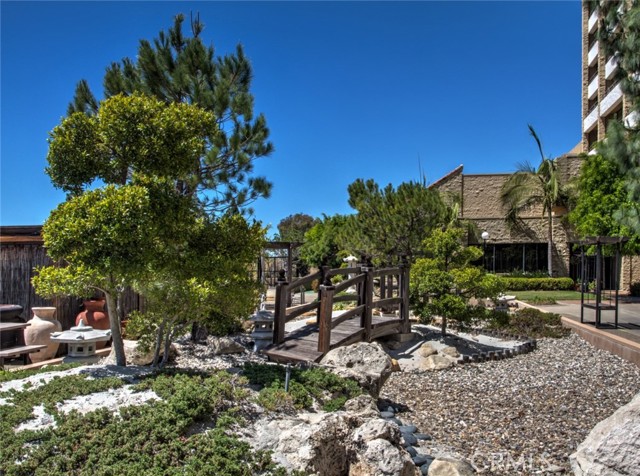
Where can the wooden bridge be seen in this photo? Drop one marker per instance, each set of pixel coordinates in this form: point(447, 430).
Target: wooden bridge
point(385, 290)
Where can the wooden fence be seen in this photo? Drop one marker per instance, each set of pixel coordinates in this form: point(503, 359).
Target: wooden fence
point(21, 251)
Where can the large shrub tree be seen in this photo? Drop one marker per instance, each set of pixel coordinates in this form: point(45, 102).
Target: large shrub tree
point(139, 229)
point(390, 222)
point(321, 245)
point(601, 194)
point(176, 68)
point(443, 281)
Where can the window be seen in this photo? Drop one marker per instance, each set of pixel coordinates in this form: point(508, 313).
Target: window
point(523, 257)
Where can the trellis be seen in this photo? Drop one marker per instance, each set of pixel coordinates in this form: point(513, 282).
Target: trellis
point(593, 292)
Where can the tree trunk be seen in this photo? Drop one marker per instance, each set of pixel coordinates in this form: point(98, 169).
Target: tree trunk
point(550, 244)
point(116, 334)
point(444, 326)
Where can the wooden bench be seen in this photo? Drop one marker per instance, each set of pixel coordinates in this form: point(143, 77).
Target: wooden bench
point(23, 350)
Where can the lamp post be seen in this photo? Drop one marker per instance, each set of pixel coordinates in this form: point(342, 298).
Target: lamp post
point(485, 237)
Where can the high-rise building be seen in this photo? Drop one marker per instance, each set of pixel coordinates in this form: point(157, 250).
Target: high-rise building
point(602, 97)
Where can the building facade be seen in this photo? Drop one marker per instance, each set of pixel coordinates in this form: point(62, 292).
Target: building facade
point(602, 97)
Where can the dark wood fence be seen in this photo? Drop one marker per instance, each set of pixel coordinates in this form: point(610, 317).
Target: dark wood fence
point(21, 251)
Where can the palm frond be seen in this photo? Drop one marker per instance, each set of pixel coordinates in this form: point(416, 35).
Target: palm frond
point(537, 139)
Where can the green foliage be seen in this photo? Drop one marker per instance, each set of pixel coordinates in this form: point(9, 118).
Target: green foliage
point(127, 136)
point(620, 34)
point(305, 386)
point(390, 222)
point(176, 68)
point(537, 284)
point(321, 244)
point(634, 289)
point(532, 323)
point(8, 375)
point(293, 227)
point(531, 186)
point(601, 194)
point(156, 438)
point(442, 283)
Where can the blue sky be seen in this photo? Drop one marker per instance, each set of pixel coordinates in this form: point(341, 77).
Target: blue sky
point(349, 89)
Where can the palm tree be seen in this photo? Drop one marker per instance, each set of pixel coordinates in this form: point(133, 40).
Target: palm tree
point(530, 186)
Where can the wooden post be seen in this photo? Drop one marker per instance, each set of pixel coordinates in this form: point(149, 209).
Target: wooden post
point(289, 273)
point(367, 288)
point(280, 317)
point(403, 293)
point(324, 319)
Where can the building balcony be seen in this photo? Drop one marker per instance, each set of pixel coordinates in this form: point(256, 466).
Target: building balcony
point(593, 53)
point(593, 20)
point(592, 90)
point(591, 120)
point(611, 100)
point(611, 67)
point(632, 120)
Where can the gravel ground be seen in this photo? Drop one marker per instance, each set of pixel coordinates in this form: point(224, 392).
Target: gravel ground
point(523, 415)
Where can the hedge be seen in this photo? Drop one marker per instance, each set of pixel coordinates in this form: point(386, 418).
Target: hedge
point(538, 284)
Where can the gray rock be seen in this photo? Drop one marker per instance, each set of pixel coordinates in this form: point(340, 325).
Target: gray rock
point(387, 414)
point(450, 467)
point(436, 362)
point(365, 362)
point(450, 351)
point(420, 460)
point(424, 469)
point(426, 350)
point(395, 420)
point(408, 429)
point(613, 446)
point(412, 451)
point(391, 409)
point(381, 458)
point(376, 429)
point(225, 345)
point(362, 406)
point(423, 436)
point(409, 439)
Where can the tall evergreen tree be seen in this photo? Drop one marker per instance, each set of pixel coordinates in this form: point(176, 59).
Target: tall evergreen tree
point(620, 35)
point(181, 69)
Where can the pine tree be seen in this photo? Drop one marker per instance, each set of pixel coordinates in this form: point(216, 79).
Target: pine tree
point(620, 35)
point(182, 69)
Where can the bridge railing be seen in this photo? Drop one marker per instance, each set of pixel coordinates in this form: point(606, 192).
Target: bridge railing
point(391, 284)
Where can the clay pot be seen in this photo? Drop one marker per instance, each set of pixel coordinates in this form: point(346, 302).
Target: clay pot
point(95, 316)
point(42, 324)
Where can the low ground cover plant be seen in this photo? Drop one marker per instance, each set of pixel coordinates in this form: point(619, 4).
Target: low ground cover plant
point(152, 439)
point(306, 386)
point(8, 375)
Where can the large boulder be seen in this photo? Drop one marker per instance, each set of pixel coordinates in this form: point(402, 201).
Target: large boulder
point(436, 362)
point(381, 458)
point(225, 345)
point(355, 442)
point(613, 446)
point(365, 362)
point(450, 467)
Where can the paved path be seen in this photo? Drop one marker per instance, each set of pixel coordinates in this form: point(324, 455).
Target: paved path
point(623, 341)
point(628, 317)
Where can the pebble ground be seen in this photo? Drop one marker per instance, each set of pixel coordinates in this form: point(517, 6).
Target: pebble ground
point(523, 415)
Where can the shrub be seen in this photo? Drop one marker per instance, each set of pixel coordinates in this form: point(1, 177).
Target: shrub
point(531, 322)
point(538, 284)
point(635, 289)
point(305, 386)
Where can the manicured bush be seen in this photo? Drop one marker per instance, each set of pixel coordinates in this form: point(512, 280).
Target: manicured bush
point(538, 284)
point(530, 322)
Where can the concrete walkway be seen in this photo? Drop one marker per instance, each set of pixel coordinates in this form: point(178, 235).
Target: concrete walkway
point(623, 341)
